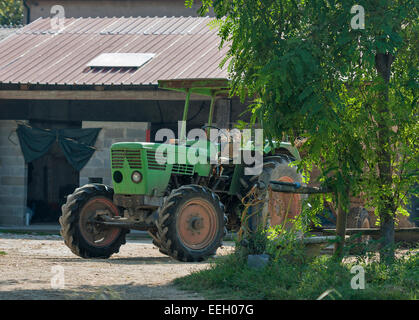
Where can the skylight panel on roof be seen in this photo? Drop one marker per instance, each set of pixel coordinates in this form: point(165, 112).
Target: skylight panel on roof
point(121, 60)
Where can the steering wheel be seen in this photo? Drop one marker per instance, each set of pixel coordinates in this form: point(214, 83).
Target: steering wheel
point(214, 127)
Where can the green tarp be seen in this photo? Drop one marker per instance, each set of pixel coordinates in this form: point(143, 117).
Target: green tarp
point(77, 144)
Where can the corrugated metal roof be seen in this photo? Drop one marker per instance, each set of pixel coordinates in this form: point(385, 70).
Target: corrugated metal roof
point(185, 47)
point(6, 31)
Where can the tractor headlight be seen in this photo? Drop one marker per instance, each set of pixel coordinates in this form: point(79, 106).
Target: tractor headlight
point(117, 176)
point(136, 177)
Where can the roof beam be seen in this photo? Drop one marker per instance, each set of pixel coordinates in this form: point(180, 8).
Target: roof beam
point(210, 83)
point(96, 95)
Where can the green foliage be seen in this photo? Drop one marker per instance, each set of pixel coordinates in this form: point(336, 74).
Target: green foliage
point(11, 12)
point(294, 273)
point(285, 244)
point(280, 240)
point(255, 244)
point(353, 93)
point(230, 278)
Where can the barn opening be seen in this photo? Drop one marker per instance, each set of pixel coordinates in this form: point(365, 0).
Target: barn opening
point(53, 174)
point(50, 179)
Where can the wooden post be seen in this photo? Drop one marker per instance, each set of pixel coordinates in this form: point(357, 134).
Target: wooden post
point(211, 111)
point(185, 117)
point(223, 111)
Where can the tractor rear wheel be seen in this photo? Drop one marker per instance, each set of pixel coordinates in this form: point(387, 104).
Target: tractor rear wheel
point(191, 224)
point(278, 208)
point(81, 234)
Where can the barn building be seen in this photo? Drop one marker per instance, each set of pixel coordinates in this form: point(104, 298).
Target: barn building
point(63, 102)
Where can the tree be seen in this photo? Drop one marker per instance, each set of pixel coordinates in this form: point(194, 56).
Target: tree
point(11, 12)
point(316, 69)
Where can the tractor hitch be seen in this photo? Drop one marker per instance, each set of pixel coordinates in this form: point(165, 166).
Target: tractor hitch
point(118, 222)
point(295, 187)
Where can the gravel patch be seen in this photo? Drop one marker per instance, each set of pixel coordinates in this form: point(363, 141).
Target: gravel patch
point(30, 265)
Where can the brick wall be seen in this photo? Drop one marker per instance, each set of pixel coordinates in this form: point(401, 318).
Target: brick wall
point(13, 177)
point(99, 165)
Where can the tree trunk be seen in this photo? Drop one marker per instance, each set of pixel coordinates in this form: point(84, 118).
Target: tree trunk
point(386, 211)
point(387, 236)
point(342, 215)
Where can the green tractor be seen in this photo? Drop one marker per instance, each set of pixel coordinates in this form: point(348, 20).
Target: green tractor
point(186, 207)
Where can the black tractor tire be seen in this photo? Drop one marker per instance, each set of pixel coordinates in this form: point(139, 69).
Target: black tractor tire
point(274, 168)
point(358, 218)
point(73, 228)
point(156, 241)
point(185, 212)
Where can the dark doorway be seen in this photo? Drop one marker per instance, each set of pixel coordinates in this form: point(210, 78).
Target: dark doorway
point(50, 179)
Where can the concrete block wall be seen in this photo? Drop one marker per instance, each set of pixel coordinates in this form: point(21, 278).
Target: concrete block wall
point(13, 177)
point(99, 166)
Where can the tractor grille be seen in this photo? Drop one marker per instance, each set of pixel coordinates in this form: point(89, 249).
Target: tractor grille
point(152, 161)
point(133, 157)
point(182, 169)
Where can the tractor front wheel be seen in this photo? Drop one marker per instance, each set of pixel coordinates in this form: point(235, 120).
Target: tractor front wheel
point(81, 234)
point(191, 224)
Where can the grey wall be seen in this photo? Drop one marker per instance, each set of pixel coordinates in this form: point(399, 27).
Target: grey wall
point(13, 177)
point(109, 8)
point(99, 166)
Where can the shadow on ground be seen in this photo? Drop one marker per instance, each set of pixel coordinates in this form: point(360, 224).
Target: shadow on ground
point(123, 261)
point(128, 291)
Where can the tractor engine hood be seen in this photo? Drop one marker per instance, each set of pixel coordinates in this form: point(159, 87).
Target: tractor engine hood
point(145, 168)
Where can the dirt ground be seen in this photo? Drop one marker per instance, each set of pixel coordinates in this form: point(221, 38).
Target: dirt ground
point(28, 267)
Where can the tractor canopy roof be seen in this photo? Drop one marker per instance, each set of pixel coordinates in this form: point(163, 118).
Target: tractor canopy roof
point(208, 87)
